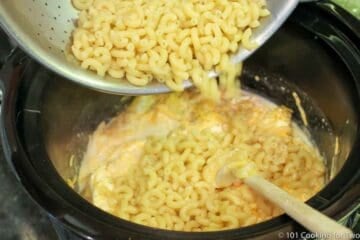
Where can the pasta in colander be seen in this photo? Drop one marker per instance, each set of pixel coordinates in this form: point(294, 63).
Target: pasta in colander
point(166, 41)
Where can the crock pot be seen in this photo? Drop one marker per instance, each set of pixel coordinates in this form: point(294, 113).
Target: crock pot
point(46, 119)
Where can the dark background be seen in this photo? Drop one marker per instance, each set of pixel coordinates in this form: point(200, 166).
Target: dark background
point(20, 217)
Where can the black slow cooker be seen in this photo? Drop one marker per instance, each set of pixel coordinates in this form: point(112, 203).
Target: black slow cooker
point(46, 119)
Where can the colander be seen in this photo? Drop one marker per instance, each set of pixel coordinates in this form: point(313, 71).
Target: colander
point(43, 29)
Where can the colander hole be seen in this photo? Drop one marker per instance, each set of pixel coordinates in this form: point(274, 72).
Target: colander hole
point(59, 6)
point(46, 4)
point(52, 28)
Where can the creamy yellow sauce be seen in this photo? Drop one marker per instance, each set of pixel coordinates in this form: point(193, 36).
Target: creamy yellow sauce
point(171, 146)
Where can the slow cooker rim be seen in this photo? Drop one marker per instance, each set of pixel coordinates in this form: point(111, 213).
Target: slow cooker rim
point(98, 211)
point(176, 232)
point(17, 152)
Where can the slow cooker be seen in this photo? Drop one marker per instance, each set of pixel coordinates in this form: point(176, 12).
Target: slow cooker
point(46, 120)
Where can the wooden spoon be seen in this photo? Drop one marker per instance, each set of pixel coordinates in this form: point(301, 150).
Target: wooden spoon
point(310, 218)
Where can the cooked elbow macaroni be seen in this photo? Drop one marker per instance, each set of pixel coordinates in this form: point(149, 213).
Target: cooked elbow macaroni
point(155, 164)
point(168, 41)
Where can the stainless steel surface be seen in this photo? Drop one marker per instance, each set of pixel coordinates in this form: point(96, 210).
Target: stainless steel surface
point(280, 11)
point(43, 29)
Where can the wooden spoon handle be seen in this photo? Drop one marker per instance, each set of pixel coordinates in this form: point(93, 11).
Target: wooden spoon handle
point(310, 218)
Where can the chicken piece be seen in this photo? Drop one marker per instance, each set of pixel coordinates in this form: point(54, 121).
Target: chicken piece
point(277, 122)
point(123, 138)
point(270, 119)
point(207, 116)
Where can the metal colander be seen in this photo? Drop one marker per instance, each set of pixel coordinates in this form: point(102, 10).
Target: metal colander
point(43, 29)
